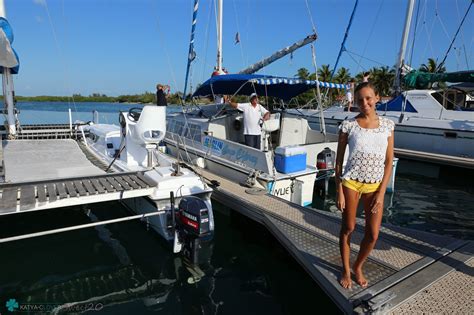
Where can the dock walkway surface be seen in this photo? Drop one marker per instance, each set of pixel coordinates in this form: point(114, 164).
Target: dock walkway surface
point(408, 271)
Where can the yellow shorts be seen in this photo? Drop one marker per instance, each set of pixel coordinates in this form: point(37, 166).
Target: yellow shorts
point(363, 188)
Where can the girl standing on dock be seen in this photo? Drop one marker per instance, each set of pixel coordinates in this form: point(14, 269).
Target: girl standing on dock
point(366, 175)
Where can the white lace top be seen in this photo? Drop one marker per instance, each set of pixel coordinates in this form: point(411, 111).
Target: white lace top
point(367, 149)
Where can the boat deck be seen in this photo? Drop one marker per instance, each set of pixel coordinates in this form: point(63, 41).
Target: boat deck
point(66, 192)
point(406, 265)
point(45, 174)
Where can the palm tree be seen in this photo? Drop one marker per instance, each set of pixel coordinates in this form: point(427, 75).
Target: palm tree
point(343, 75)
point(303, 73)
point(383, 78)
point(324, 73)
point(432, 67)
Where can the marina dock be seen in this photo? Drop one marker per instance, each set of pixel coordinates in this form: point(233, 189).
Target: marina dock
point(408, 271)
point(441, 159)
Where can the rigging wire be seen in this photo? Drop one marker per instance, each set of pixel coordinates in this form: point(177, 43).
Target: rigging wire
point(310, 17)
point(455, 35)
point(463, 39)
point(247, 32)
point(414, 33)
point(355, 61)
point(346, 34)
point(369, 37)
point(216, 22)
point(164, 47)
point(238, 31)
point(60, 53)
point(204, 64)
point(437, 16)
point(428, 33)
point(362, 57)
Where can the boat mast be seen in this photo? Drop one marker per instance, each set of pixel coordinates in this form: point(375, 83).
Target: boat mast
point(219, 69)
point(8, 91)
point(279, 54)
point(191, 53)
point(403, 45)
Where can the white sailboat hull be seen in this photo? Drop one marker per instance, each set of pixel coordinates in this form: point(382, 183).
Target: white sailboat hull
point(296, 188)
point(417, 134)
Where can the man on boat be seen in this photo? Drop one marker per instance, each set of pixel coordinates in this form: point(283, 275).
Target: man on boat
point(161, 95)
point(349, 93)
point(254, 116)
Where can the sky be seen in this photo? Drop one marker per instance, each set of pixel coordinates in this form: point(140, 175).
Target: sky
point(118, 47)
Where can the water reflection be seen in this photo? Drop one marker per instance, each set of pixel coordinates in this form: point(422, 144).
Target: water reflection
point(123, 268)
point(439, 206)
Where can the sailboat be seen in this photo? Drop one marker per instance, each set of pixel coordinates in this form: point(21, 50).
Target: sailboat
point(211, 136)
point(430, 125)
point(52, 166)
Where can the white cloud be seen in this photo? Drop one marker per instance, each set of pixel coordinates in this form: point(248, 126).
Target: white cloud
point(40, 2)
point(39, 19)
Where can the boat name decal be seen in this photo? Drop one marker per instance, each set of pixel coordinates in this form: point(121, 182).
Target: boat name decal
point(215, 144)
point(240, 155)
point(282, 191)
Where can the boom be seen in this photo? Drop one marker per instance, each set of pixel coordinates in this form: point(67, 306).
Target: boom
point(279, 54)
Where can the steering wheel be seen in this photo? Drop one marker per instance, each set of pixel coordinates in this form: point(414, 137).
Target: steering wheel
point(134, 113)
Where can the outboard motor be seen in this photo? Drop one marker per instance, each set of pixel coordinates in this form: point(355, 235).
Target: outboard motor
point(194, 228)
point(325, 163)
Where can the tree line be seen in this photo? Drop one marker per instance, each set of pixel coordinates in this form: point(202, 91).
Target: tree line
point(144, 98)
point(381, 77)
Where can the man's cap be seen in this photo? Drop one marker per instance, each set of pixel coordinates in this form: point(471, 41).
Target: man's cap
point(253, 95)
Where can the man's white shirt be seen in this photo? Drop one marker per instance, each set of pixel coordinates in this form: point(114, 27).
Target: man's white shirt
point(252, 116)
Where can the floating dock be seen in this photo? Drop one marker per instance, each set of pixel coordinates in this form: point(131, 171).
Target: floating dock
point(441, 159)
point(409, 271)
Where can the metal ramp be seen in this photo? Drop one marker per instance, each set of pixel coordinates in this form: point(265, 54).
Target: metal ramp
point(389, 286)
point(40, 195)
point(401, 269)
point(48, 131)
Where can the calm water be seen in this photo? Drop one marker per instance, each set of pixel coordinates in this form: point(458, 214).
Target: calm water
point(125, 268)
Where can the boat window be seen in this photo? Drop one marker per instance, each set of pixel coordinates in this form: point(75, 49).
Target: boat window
point(451, 100)
point(193, 132)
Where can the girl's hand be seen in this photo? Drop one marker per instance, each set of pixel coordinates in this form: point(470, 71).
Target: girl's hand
point(377, 202)
point(340, 201)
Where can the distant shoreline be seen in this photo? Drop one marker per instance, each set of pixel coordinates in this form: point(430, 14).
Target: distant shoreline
point(144, 98)
point(81, 101)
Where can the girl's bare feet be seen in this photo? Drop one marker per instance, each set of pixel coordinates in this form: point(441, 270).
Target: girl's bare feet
point(345, 280)
point(359, 277)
